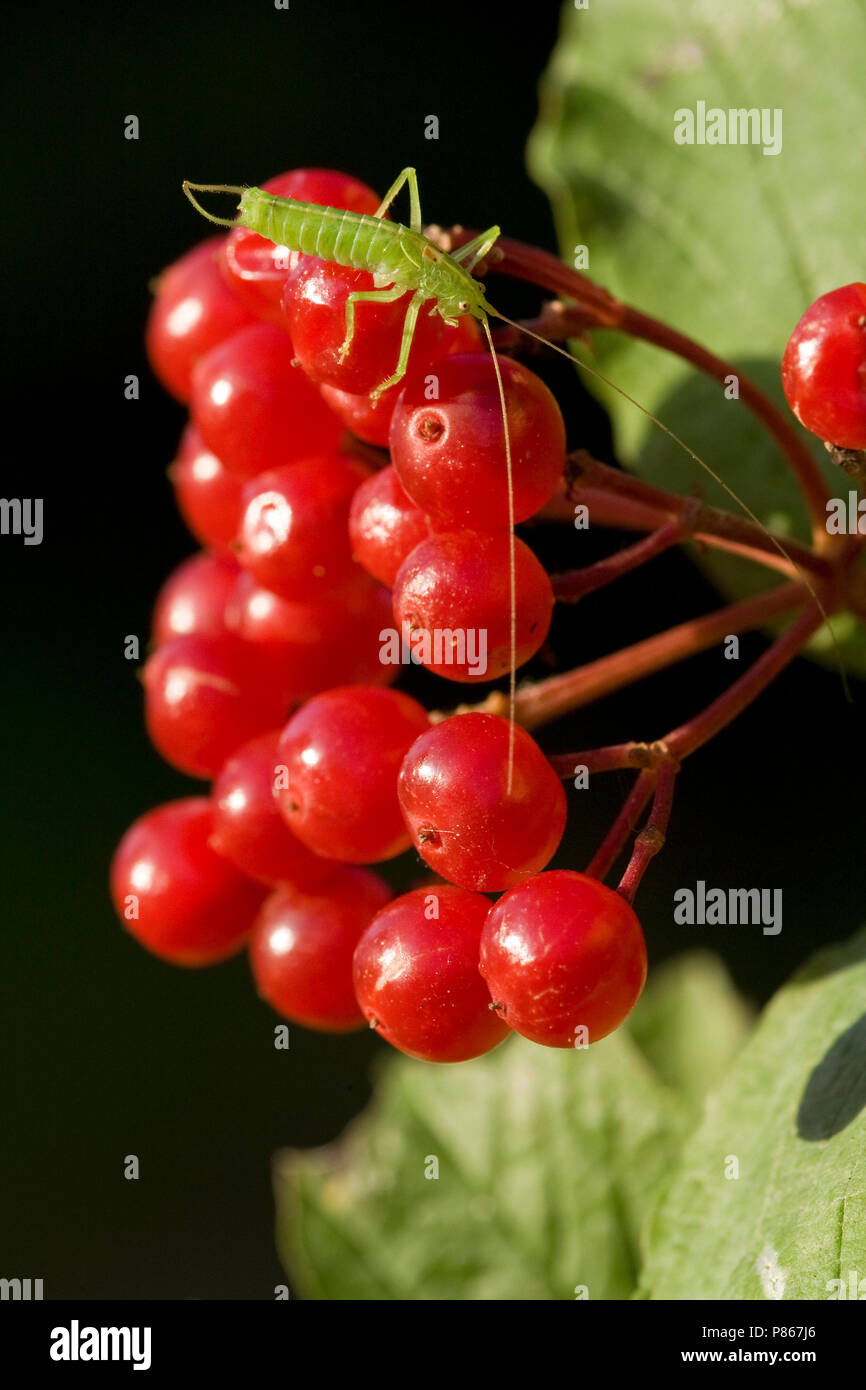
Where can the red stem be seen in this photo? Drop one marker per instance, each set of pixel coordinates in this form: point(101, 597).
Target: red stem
point(809, 476)
point(575, 584)
point(652, 837)
point(610, 759)
point(612, 844)
point(698, 731)
point(616, 498)
point(662, 760)
point(548, 699)
point(608, 509)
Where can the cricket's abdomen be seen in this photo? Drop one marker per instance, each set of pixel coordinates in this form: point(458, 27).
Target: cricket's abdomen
point(350, 238)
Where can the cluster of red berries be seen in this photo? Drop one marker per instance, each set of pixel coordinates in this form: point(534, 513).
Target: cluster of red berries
point(266, 676)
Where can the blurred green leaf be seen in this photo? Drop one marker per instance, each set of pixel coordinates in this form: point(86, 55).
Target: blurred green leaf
point(792, 1115)
point(690, 1023)
point(726, 243)
point(550, 1162)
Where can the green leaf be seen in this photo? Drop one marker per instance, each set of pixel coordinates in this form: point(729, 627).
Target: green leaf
point(690, 1023)
point(549, 1164)
point(792, 1114)
point(722, 241)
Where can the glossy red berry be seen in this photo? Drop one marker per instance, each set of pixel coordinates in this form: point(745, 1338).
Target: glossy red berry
point(205, 696)
point(207, 494)
point(384, 525)
point(466, 336)
point(342, 752)
point(193, 600)
point(452, 594)
point(174, 894)
point(327, 643)
point(449, 453)
point(193, 311)
point(315, 305)
point(247, 826)
point(302, 946)
point(255, 410)
point(256, 268)
point(370, 419)
point(417, 979)
point(294, 529)
point(465, 824)
point(824, 367)
point(565, 956)
point(367, 418)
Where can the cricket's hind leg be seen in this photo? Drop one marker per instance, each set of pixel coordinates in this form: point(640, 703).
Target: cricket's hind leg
point(373, 297)
point(409, 176)
point(405, 344)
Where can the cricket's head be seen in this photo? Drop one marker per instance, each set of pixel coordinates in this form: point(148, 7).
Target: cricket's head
point(460, 294)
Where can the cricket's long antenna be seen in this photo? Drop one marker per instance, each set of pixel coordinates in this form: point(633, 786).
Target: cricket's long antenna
point(211, 188)
point(512, 566)
point(593, 371)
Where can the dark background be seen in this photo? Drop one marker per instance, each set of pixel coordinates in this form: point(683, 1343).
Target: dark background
point(106, 1051)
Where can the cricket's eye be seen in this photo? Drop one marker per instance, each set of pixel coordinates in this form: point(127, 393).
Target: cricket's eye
point(463, 306)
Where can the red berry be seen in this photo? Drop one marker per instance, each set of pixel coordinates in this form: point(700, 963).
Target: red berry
point(294, 528)
point(384, 526)
point(452, 593)
point(254, 409)
point(329, 188)
point(342, 752)
point(205, 696)
point(247, 826)
point(824, 367)
point(371, 419)
point(328, 643)
point(174, 894)
point(368, 419)
point(193, 599)
point(258, 615)
point(449, 453)
point(563, 953)
point(465, 337)
point(194, 309)
point(417, 979)
point(208, 495)
point(465, 824)
point(315, 305)
point(255, 267)
point(302, 945)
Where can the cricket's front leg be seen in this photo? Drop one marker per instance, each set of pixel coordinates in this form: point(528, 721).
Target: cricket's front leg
point(405, 346)
point(375, 296)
